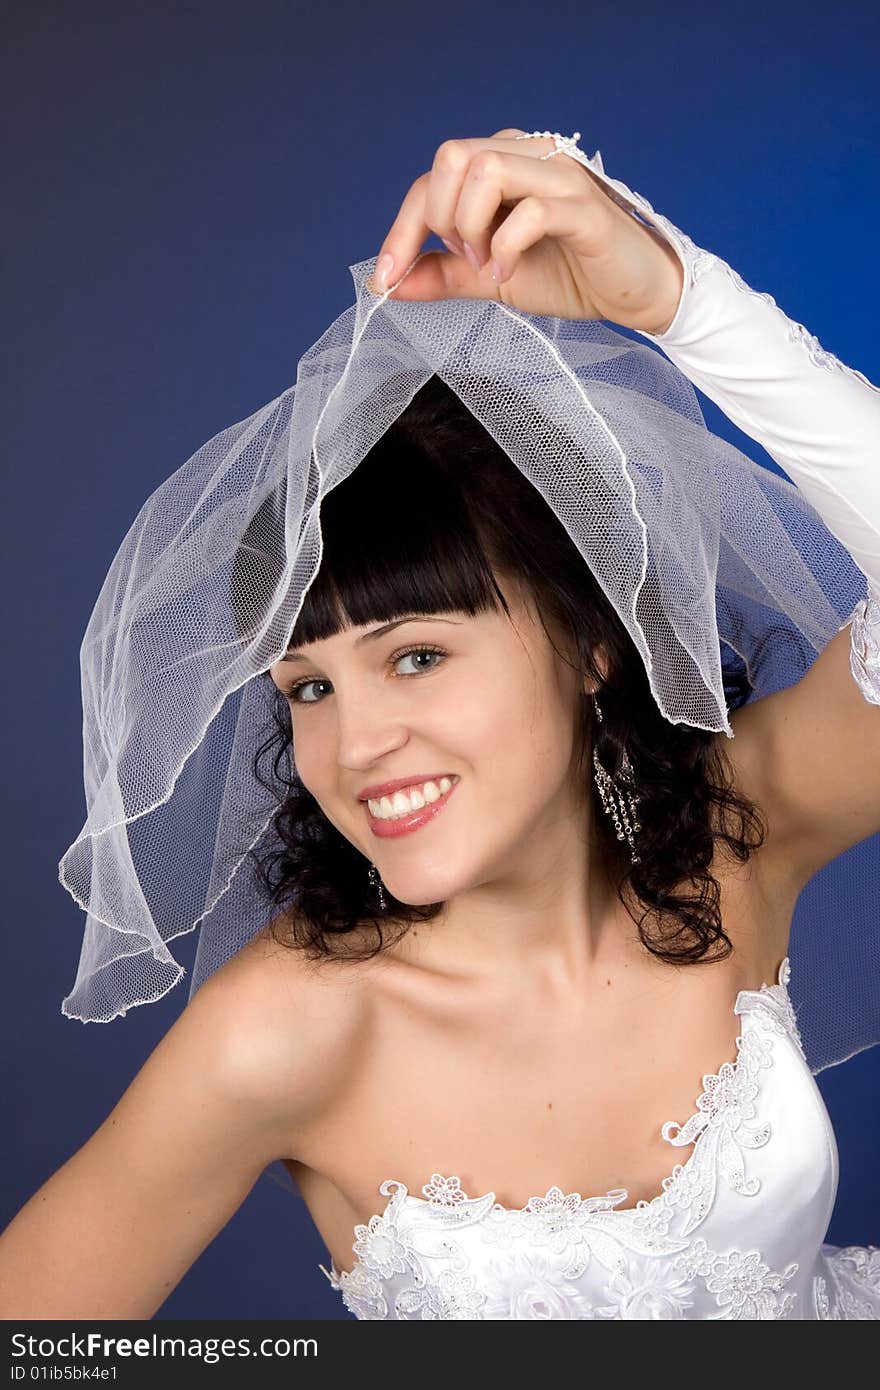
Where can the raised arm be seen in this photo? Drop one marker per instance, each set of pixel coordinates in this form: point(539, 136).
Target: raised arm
point(814, 754)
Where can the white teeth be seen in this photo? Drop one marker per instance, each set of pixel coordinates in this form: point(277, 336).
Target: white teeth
point(403, 803)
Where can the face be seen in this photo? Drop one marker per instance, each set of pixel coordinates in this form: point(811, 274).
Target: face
point(483, 701)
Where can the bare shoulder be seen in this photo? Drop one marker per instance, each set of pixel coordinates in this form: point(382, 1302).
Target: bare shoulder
point(284, 1026)
point(233, 1085)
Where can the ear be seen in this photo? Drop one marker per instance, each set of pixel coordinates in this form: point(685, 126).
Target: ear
point(600, 657)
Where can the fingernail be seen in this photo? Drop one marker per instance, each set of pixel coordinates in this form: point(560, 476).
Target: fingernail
point(383, 265)
point(472, 256)
point(451, 246)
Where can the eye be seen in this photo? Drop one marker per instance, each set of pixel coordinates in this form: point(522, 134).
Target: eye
point(294, 697)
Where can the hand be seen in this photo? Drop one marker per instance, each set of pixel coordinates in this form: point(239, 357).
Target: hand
point(562, 245)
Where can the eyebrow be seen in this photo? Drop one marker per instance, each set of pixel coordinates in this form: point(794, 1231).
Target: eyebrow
point(379, 632)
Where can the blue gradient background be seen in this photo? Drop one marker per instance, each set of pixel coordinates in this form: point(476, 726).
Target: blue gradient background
point(185, 189)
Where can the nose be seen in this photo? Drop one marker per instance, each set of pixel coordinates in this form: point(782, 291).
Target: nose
point(365, 732)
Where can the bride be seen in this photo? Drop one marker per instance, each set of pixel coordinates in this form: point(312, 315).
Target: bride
point(542, 1061)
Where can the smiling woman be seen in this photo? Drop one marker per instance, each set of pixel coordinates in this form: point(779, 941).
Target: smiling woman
point(477, 672)
point(438, 521)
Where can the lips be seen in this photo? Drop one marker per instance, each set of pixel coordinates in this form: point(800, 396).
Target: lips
point(407, 824)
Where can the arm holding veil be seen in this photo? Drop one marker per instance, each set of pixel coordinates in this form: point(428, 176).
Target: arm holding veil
point(819, 420)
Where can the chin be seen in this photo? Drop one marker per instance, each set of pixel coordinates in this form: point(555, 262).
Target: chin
point(424, 892)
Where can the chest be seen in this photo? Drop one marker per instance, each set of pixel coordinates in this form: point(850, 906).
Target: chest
point(735, 1233)
point(513, 1095)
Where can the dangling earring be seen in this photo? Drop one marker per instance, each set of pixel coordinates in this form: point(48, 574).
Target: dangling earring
point(377, 883)
point(617, 800)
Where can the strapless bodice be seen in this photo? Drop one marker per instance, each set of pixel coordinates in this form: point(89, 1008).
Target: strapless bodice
point(737, 1230)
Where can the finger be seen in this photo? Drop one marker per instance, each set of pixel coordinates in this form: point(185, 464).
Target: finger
point(466, 169)
point(452, 164)
point(404, 237)
point(496, 179)
point(415, 219)
point(432, 200)
point(436, 275)
point(581, 223)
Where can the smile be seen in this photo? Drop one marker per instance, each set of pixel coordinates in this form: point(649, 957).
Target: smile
point(406, 811)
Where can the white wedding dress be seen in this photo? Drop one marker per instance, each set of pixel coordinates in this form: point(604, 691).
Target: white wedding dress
point(738, 1230)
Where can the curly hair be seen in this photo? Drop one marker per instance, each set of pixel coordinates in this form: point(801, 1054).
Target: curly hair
point(460, 513)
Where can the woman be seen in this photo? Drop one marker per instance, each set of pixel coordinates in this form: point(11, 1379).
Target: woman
point(589, 904)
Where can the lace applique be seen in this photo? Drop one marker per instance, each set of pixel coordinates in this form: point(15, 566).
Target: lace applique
point(451, 1296)
point(382, 1249)
point(864, 657)
point(743, 1285)
point(535, 1284)
point(728, 1099)
point(774, 1004)
point(558, 1221)
point(444, 1192)
point(582, 1229)
point(721, 1124)
point(685, 1187)
point(361, 1292)
point(726, 1107)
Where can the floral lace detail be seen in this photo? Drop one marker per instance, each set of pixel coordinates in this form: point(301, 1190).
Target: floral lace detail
point(721, 1122)
point(775, 1006)
point(532, 1283)
point(743, 1285)
point(864, 657)
point(451, 1296)
point(582, 1229)
point(444, 1192)
point(361, 1292)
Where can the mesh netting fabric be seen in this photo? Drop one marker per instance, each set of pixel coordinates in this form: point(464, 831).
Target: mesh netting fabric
point(706, 556)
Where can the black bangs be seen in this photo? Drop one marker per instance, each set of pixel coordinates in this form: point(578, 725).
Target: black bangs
point(399, 537)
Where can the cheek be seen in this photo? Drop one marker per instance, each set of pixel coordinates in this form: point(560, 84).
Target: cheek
point(520, 728)
point(548, 744)
point(311, 759)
